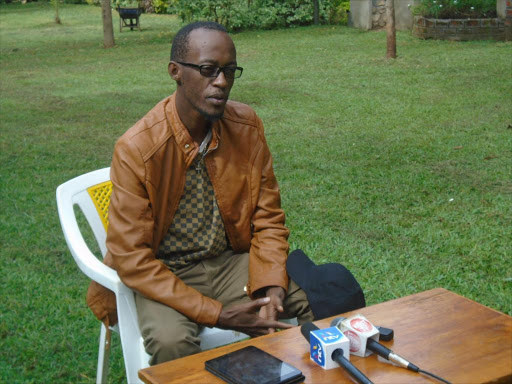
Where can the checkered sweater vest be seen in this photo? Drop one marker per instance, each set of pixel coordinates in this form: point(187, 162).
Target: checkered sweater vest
point(197, 231)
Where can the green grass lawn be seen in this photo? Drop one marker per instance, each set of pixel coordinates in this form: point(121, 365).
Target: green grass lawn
point(401, 170)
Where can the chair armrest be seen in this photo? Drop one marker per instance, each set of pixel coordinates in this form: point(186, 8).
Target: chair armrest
point(85, 259)
point(91, 266)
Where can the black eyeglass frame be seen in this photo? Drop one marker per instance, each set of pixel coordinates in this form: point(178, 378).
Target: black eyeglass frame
point(200, 68)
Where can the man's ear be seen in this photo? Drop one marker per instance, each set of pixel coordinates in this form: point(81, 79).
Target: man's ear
point(174, 71)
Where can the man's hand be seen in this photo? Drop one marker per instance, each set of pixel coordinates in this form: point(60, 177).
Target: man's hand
point(244, 318)
point(275, 306)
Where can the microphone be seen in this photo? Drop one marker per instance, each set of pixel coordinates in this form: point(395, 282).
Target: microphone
point(359, 328)
point(359, 331)
point(328, 347)
point(385, 334)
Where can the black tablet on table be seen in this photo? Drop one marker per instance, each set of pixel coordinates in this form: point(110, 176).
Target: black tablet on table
point(251, 365)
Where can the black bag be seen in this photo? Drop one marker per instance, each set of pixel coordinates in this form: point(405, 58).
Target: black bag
point(331, 288)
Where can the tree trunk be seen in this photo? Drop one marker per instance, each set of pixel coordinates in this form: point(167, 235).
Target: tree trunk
point(148, 6)
point(390, 29)
point(57, 18)
point(108, 30)
point(316, 11)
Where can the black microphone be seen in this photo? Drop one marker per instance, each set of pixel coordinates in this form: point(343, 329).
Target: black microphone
point(337, 356)
point(387, 353)
point(381, 350)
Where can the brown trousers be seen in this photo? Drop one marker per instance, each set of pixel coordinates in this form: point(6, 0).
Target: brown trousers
point(169, 335)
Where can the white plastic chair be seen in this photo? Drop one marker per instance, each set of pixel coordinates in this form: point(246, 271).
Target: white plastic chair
point(91, 192)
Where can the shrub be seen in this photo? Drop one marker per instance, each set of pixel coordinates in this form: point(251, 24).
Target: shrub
point(456, 9)
point(161, 6)
point(251, 14)
point(338, 12)
point(125, 3)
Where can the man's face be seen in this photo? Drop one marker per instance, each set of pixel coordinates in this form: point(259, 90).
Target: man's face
point(206, 96)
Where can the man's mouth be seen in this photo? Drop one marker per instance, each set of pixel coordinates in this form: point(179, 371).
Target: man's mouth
point(217, 99)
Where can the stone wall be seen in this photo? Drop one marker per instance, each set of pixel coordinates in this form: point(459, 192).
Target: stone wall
point(371, 14)
point(461, 29)
point(378, 14)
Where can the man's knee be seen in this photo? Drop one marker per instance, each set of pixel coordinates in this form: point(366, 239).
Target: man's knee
point(169, 343)
point(297, 305)
point(167, 334)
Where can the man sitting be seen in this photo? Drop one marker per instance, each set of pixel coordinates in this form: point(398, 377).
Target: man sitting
point(195, 223)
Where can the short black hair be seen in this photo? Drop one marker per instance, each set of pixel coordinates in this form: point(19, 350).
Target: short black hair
point(179, 47)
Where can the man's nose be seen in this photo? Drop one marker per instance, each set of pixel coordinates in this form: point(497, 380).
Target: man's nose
point(220, 81)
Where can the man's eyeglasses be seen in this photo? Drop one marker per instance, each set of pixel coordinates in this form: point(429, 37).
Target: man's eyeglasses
point(205, 70)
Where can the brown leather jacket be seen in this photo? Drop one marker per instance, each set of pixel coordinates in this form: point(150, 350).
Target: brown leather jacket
point(148, 175)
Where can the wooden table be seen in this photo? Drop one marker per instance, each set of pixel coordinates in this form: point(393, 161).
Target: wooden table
point(438, 330)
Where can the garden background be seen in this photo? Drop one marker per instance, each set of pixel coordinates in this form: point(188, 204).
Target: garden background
point(399, 169)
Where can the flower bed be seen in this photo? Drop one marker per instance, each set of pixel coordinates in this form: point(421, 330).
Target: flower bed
point(461, 29)
point(455, 9)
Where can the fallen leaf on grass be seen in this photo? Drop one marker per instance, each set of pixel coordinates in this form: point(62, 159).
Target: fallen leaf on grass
point(458, 147)
point(490, 157)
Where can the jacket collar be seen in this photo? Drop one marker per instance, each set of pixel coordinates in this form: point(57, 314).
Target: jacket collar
point(181, 134)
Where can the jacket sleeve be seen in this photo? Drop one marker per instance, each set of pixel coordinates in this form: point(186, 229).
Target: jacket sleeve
point(269, 245)
point(130, 240)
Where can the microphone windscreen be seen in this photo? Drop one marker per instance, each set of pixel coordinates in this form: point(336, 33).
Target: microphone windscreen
point(306, 328)
point(336, 320)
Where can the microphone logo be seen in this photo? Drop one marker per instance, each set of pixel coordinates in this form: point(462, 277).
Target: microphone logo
point(361, 325)
point(328, 337)
point(324, 342)
point(316, 353)
point(358, 330)
point(355, 341)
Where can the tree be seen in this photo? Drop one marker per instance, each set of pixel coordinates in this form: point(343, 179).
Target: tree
point(148, 6)
point(57, 18)
point(316, 11)
point(390, 29)
point(108, 30)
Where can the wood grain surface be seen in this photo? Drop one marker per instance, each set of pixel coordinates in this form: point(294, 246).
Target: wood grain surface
point(439, 331)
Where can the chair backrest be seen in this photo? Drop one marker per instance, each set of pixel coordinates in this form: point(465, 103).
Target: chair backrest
point(91, 192)
point(100, 196)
